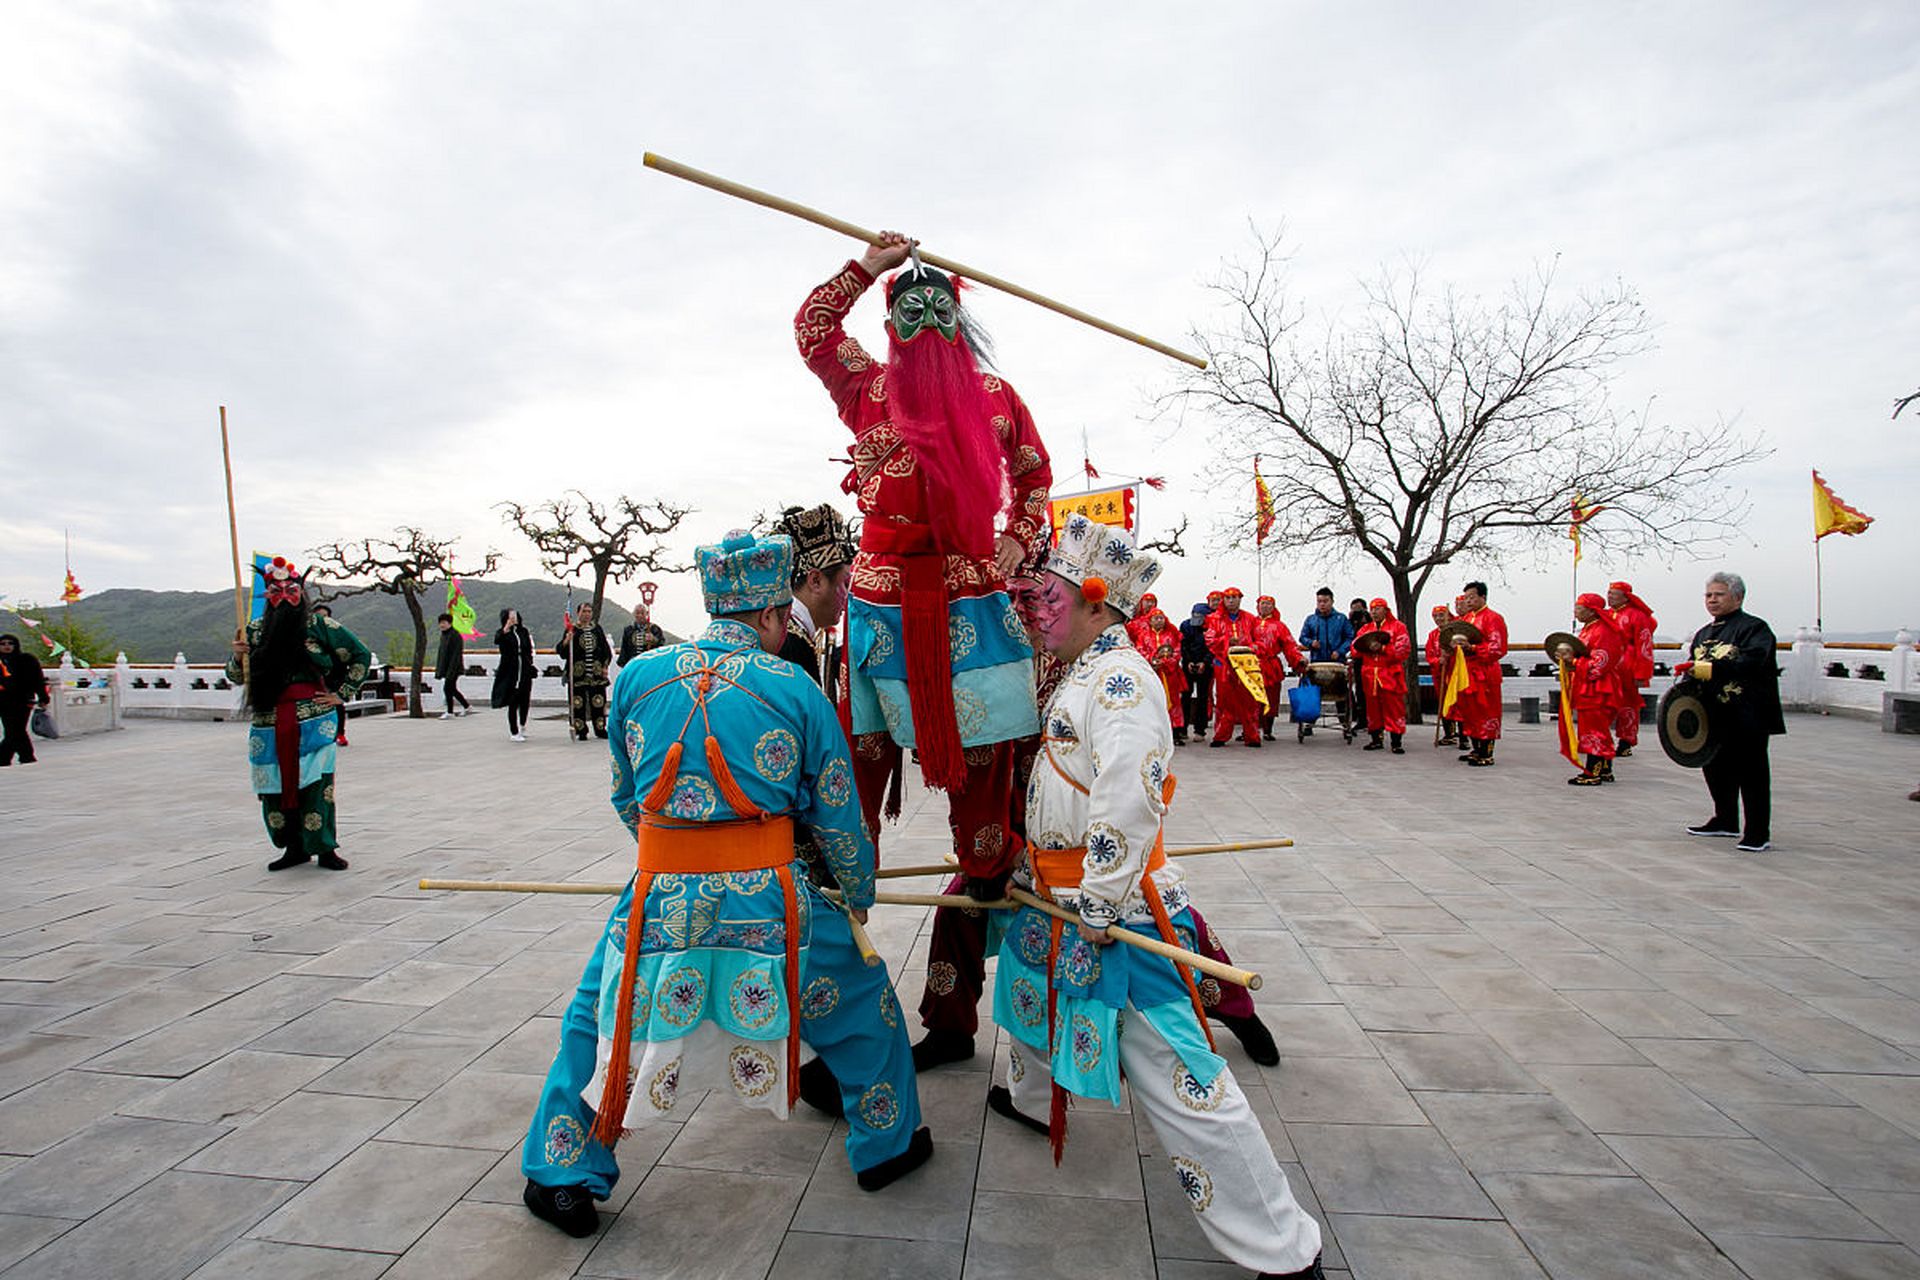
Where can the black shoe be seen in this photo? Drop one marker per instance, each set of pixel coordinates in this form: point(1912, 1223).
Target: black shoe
point(1622, 751)
point(568, 1208)
point(1254, 742)
point(1000, 1102)
point(1179, 737)
point(1216, 743)
point(1309, 731)
point(1466, 758)
point(598, 733)
point(1396, 748)
point(1712, 827)
point(1585, 780)
point(1253, 1037)
point(286, 860)
point(333, 861)
point(1310, 1273)
point(938, 1048)
point(1374, 743)
point(819, 1090)
point(919, 1151)
point(1267, 734)
point(1480, 762)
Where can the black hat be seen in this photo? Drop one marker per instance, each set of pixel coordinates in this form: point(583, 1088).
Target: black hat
point(821, 538)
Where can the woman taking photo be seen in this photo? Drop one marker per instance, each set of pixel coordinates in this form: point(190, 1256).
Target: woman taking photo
point(513, 678)
point(288, 659)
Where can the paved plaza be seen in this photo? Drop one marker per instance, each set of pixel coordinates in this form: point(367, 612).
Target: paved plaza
point(1528, 1030)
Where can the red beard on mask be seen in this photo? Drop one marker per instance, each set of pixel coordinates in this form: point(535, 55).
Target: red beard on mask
point(942, 412)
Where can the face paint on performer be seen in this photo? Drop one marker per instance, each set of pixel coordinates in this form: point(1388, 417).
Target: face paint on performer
point(918, 308)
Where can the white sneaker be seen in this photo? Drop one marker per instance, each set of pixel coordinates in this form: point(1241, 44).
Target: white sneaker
point(517, 737)
point(446, 715)
point(461, 712)
point(1762, 847)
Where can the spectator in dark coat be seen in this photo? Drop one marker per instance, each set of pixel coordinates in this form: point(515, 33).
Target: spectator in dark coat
point(513, 678)
point(23, 686)
point(448, 665)
point(1196, 661)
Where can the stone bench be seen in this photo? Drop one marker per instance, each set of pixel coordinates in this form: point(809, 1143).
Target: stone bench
point(367, 707)
point(1899, 712)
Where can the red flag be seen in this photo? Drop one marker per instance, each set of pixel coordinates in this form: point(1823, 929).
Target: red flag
point(71, 591)
point(1263, 514)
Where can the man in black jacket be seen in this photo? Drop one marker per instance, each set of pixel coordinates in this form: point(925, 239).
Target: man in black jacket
point(640, 635)
point(23, 686)
point(1197, 661)
point(1733, 661)
point(448, 664)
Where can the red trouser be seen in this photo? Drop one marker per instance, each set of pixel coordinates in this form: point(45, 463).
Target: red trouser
point(1626, 725)
point(977, 813)
point(1594, 726)
point(1386, 709)
point(1234, 705)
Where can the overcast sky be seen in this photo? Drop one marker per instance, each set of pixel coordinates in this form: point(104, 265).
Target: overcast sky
point(413, 250)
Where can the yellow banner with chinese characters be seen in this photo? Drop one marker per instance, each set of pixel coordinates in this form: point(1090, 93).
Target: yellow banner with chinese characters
point(1108, 506)
point(1247, 667)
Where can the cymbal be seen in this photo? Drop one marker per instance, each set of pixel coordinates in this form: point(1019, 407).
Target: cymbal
point(1557, 638)
point(1372, 642)
point(1459, 628)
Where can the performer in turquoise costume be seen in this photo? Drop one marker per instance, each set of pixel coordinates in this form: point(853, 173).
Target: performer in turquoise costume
point(720, 750)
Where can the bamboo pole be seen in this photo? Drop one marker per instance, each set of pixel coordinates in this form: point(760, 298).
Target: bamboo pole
point(1179, 955)
point(713, 182)
point(233, 536)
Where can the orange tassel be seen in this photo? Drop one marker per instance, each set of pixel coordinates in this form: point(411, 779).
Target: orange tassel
point(723, 779)
point(610, 1116)
point(663, 785)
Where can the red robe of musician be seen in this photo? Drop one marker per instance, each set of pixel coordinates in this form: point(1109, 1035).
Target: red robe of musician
point(1159, 643)
point(1479, 707)
point(1635, 623)
point(1233, 702)
point(1383, 675)
point(1596, 691)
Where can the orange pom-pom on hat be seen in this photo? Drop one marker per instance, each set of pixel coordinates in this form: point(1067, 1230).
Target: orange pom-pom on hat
point(1094, 590)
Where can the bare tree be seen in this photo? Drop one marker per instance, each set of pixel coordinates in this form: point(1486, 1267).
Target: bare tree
point(1170, 544)
point(1435, 428)
point(575, 534)
point(402, 566)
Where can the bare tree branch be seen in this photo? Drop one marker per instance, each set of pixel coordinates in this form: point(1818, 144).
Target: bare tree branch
point(613, 541)
point(403, 566)
point(1433, 428)
point(1170, 544)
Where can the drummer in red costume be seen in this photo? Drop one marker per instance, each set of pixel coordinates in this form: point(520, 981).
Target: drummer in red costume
point(1233, 703)
point(1479, 706)
point(1635, 622)
point(1273, 640)
point(1383, 675)
point(1596, 688)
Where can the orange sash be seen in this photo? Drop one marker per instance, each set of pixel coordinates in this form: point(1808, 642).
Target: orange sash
point(753, 841)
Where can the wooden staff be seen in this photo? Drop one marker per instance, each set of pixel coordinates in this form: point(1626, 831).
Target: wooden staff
point(1186, 851)
point(714, 182)
point(1179, 955)
point(233, 535)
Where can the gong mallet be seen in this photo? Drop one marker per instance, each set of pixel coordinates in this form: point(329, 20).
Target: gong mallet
point(767, 200)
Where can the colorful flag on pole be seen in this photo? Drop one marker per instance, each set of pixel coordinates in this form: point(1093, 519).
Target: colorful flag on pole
point(71, 591)
point(1830, 515)
point(1459, 680)
point(464, 619)
point(1581, 514)
point(256, 587)
point(1263, 514)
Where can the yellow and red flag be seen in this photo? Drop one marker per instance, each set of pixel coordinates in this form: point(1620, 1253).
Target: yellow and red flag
point(1581, 513)
point(1458, 681)
point(1830, 515)
point(1263, 514)
point(70, 592)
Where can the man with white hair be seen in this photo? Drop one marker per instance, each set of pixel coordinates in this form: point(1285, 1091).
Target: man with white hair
point(1080, 1010)
point(1733, 659)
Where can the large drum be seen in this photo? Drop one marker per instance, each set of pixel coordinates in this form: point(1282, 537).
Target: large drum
point(1327, 673)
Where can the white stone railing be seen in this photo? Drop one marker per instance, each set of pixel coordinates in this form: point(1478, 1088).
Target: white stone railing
point(1807, 682)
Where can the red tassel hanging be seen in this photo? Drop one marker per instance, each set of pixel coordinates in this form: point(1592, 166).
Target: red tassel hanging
point(1155, 482)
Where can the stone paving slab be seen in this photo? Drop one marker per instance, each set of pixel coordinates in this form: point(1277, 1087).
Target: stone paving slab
point(1527, 1030)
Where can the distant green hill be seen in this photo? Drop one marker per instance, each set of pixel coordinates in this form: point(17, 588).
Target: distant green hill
point(152, 626)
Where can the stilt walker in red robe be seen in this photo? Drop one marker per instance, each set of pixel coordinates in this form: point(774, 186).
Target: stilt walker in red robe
point(952, 478)
point(1635, 623)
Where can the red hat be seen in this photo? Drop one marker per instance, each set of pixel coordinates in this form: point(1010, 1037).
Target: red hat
point(1264, 600)
point(1626, 589)
point(1594, 602)
point(1441, 610)
point(1216, 595)
point(1379, 602)
point(1234, 591)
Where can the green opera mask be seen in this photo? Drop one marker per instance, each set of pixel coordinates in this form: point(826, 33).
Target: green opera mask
point(920, 307)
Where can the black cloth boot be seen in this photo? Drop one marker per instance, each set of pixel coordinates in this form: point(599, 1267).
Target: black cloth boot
point(1373, 741)
point(1396, 748)
point(1000, 1102)
point(939, 1047)
point(568, 1208)
point(1253, 1037)
point(919, 1151)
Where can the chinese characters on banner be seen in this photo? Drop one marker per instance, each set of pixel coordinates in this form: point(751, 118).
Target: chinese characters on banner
point(1108, 506)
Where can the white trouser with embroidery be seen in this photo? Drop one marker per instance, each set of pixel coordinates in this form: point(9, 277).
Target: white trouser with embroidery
point(1219, 1152)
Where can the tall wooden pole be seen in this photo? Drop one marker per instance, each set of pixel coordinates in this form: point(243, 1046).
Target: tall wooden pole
point(233, 536)
point(1819, 621)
